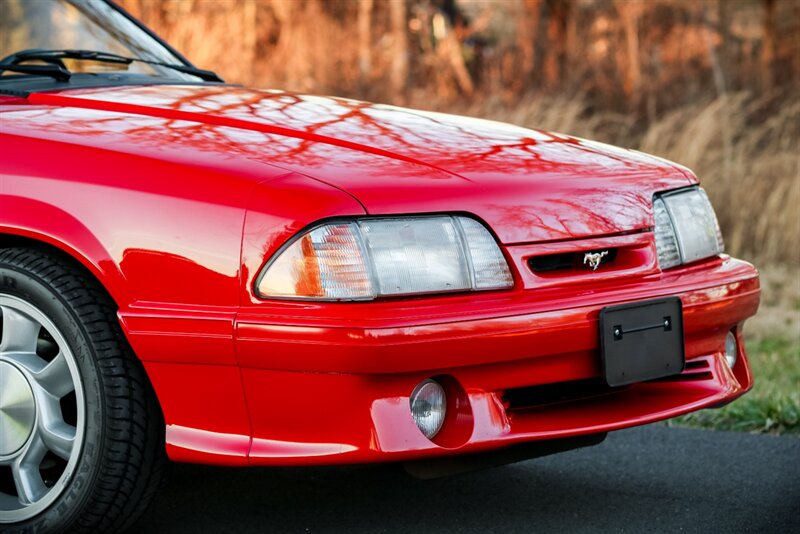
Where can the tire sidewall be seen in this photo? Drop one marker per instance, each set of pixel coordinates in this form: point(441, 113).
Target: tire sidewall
point(65, 509)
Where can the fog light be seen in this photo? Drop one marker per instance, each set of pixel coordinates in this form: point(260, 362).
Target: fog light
point(731, 349)
point(428, 407)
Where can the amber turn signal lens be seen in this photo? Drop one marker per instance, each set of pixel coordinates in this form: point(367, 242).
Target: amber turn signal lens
point(324, 263)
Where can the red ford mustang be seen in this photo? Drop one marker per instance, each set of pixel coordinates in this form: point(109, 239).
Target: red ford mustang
point(210, 273)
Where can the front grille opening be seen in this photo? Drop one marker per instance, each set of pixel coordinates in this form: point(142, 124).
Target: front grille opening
point(686, 377)
point(694, 365)
point(693, 371)
point(546, 394)
point(541, 395)
point(567, 260)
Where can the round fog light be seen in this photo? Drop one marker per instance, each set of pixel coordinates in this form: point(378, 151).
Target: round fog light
point(731, 349)
point(428, 407)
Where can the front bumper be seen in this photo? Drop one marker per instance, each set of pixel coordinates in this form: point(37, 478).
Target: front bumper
point(322, 389)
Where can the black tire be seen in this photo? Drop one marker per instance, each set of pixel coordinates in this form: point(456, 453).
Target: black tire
point(122, 456)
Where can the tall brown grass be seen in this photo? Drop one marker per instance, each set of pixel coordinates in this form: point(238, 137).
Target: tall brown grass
point(744, 148)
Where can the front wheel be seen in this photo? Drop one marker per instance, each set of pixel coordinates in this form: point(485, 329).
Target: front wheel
point(81, 433)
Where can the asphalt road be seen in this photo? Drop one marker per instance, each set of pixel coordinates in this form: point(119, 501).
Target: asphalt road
point(649, 479)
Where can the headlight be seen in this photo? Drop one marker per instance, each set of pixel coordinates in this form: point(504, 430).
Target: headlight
point(686, 227)
point(375, 257)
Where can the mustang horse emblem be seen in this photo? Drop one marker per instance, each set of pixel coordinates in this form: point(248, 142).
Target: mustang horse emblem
point(594, 258)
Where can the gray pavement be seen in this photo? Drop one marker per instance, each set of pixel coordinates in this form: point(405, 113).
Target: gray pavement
point(648, 479)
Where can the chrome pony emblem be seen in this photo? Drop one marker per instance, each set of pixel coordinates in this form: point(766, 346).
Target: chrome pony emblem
point(594, 258)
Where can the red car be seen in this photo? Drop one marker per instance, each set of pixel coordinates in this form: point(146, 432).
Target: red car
point(216, 274)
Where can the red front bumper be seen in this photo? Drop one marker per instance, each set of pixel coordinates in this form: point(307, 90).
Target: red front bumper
point(311, 388)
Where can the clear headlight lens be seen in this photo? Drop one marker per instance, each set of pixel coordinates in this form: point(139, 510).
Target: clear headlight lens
point(416, 255)
point(372, 257)
point(666, 242)
point(686, 227)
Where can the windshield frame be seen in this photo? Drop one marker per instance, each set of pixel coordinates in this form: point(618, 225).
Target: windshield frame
point(21, 85)
point(149, 32)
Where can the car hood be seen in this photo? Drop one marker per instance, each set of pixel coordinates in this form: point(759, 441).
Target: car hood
point(528, 185)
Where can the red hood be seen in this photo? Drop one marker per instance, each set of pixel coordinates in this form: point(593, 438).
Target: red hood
point(528, 185)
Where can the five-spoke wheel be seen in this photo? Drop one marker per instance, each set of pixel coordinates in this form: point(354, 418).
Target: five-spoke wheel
point(81, 432)
point(42, 409)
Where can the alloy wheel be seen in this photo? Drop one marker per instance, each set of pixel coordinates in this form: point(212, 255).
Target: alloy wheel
point(42, 410)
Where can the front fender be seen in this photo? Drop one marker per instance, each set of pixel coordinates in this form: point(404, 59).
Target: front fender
point(41, 221)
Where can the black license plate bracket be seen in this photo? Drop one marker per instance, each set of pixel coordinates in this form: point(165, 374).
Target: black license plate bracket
point(642, 341)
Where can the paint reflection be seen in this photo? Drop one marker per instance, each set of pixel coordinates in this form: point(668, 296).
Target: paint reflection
point(528, 185)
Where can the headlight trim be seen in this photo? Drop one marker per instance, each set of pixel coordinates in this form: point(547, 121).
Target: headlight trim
point(358, 227)
point(693, 227)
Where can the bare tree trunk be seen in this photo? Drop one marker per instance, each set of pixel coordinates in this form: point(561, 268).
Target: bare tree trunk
point(719, 82)
point(250, 36)
point(398, 14)
point(364, 42)
point(714, 59)
point(450, 48)
point(557, 13)
point(526, 39)
point(629, 13)
point(768, 47)
point(723, 17)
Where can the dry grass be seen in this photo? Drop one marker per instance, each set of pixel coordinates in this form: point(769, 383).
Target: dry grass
point(745, 151)
point(744, 148)
point(779, 314)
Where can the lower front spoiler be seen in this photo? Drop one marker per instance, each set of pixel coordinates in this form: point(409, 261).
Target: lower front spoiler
point(352, 404)
point(311, 423)
point(497, 421)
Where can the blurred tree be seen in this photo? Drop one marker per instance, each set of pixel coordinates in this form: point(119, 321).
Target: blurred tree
point(398, 11)
point(527, 31)
point(627, 55)
point(558, 12)
point(365, 42)
point(630, 13)
point(768, 46)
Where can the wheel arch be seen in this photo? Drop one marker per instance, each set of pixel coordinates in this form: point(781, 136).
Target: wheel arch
point(19, 238)
point(121, 437)
point(34, 224)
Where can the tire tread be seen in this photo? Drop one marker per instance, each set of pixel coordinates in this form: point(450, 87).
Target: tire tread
point(134, 458)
